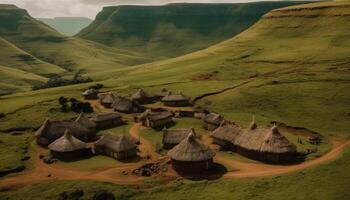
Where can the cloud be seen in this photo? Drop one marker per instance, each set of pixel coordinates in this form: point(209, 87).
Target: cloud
point(89, 8)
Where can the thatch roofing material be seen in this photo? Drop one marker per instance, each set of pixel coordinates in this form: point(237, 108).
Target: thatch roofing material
point(140, 94)
point(85, 121)
point(191, 149)
point(175, 136)
point(258, 139)
point(213, 118)
point(117, 143)
point(226, 132)
point(67, 143)
point(55, 129)
point(108, 98)
point(124, 105)
point(106, 117)
point(175, 97)
point(155, 116)
point(90, 91)
point(163, 92)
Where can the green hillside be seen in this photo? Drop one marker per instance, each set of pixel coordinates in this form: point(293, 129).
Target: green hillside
point(30, 45)
point(174, 29)
point(67, 25)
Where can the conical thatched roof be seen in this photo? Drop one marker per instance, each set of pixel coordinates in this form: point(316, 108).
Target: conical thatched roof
point(108, 98)
point(140, 94)
point(213, 118)
point(125, 105)
point(85, 121)
point(53, 130)
point(117, 143)
point(264, 140)
point(175, 97)
point(253, 124)
point(191, 149)
point(90, 91)
point(154, 116)
point(106, 116)
point(227, 132)
point(67, 143)
point(175, 136)
point(275, 142)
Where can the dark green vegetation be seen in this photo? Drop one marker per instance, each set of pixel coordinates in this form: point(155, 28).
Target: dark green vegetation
point(324, 182)
point(174, 29)
point(67, 25)
point(31, 51)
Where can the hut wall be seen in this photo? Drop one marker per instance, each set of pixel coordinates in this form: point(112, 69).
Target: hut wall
point(192, 167)
point(90, 96)
point(224, 145)
point(210, 127)
point(266, 157)
point(123, 155)
point(106, 105)
point(159, 123)
point(176, 103)
point(73, 155)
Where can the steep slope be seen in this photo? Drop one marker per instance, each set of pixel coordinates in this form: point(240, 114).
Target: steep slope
point(70, 54)
point(174, 29)
point(67, 25)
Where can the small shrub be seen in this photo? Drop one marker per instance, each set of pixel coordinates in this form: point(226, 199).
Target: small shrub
point(2, 115)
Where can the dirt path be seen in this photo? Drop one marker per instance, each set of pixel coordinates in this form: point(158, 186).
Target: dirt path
point(43, 172)
point(145, 147)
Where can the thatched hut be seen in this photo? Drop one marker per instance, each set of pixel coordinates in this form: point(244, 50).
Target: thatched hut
point(176, 100)
point(125, 105)
point(225, 135)
point(191, 155)
point(107, 99)
point(212, 121)
point(90, 94)
point(163, 92)
point(118, 147)
point(172, 137)
point(108, 120)
point(86, 122)
point(68, 147)
point(267, 145)
point(52, 130)
point(142, 97)
point(156, 119)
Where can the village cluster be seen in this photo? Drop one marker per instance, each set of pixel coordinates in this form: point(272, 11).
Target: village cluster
point(69, 140)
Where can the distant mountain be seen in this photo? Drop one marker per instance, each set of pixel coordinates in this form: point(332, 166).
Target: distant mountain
point(174, 29)
point(30, 46)
point(67, 25)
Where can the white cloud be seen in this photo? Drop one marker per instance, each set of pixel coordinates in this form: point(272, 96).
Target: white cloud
point(89, 8)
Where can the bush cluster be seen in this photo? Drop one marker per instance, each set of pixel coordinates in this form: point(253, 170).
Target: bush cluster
point(58, 81)
point(74, 105)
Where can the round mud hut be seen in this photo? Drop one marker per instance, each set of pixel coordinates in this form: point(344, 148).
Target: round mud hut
point(86, 122)
point(118, 147)
point(176, 100)
point(108, 99)
point(212, 121)
point(191, 156)
point(142, 97)
point(68, 147)
point(90, 94)
point(125, 105)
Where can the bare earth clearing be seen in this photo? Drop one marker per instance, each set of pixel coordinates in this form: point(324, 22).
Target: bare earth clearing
point(43, 172)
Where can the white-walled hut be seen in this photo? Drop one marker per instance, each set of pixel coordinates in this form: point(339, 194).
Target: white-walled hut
point(108, 120)
point(212, 121)
point(107, 99)
point(118, 147)
point(172, 137)
point(90, 94)
point(142, 97)
point(191, 155)
point(68, 147)
point(52, 130)
point(156, 119)
point(176, 100)
point(125, 105)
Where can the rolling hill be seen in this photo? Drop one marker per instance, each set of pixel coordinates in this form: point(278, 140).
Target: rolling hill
point(30, 45)
point(174, 29)
point(67, 25)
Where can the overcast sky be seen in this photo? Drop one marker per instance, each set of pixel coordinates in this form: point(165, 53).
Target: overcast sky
point(89, 8)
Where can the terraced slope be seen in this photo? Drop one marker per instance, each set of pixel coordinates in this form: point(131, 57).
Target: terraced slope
point(67, 25)
point(174, 29)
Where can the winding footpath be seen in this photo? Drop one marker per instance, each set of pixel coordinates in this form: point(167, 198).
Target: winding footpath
point(41, 172)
